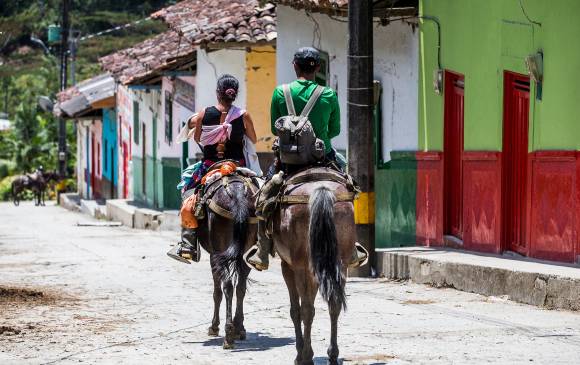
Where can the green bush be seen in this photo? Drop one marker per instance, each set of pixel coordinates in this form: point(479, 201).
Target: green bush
point(6, 168)
point(6, 190)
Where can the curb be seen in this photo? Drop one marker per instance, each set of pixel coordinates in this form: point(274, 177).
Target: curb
point(535, 283)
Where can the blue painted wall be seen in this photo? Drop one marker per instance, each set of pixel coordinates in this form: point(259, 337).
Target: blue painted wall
point(109, 146)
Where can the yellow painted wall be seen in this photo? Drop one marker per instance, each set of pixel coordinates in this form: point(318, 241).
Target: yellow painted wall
point(260, 83)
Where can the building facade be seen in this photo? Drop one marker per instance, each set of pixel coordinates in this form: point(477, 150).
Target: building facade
point(498, 165)
point(396, 55)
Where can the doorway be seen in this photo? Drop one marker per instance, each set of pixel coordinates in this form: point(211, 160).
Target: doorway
point(515, 160)
point(93, 165)
point(154, 158)
point(144, 161)
point(125, 170)
point(453, 155)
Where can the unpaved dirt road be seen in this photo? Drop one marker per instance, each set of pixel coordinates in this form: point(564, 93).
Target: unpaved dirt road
point(109, 295)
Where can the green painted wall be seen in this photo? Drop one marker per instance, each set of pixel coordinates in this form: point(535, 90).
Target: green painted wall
point(147, 197)
point(481, 39)
point(168, 178)
point(138, 180)
point(162, 178)
point(395, 196)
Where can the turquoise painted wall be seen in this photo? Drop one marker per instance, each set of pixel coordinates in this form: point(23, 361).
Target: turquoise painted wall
point(481, 39)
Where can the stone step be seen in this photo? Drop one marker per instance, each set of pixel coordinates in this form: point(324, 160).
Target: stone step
point(535, 282)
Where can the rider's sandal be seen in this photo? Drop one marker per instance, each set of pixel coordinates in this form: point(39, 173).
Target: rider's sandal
point(360, 256)
point(182, 253)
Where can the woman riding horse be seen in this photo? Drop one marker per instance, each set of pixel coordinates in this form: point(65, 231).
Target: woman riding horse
point(221, 130)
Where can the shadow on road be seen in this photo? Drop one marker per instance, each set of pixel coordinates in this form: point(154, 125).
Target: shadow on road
point(254, 342)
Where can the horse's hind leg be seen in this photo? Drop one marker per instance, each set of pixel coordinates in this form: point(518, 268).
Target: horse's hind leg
point(214, 330)
point(294, 309)
point(240, 331)
point(229, 338)
point(334, 310)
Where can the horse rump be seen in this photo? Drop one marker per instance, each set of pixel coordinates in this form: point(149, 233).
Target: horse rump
point(229, 264)
point(324, 255)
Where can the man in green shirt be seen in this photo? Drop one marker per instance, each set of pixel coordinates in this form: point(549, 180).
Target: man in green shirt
point(325, 116)
point(325, 120)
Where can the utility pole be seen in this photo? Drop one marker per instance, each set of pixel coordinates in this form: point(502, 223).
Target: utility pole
point(360, 122)
point(65, 27)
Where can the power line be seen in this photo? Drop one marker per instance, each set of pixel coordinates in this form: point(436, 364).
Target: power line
point(114, 29)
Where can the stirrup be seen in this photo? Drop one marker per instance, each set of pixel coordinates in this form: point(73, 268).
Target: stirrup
point(252, 264)
point(176, 253)
point(362, 256)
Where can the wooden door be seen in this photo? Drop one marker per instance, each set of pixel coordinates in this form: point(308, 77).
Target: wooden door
point(93, 164)
point(144, 160)
point(515, 160)
point(154, 157)
point(453, 155)
point(112, 166)
point(125, 170)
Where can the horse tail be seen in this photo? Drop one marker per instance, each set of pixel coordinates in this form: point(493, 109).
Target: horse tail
point(324, 255)
point(229, 264)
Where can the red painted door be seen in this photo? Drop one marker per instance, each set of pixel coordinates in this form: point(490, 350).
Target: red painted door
point(453, 154)
point(125, 171)
point(93, 163)
point(515, 160)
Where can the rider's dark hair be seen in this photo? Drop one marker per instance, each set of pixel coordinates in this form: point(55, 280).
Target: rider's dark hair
point(307, 59)
point(227, 88)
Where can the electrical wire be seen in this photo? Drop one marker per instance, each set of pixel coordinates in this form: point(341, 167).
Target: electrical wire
point(527, 17)
point(436, 21)
point(114, 29)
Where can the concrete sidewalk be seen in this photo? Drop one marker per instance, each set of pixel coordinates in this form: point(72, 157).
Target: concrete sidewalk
point(549, 285)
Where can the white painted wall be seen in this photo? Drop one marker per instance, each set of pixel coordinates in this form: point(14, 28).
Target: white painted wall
point(125, 120)
point(212, 65)
point(396, 66)
point(81, 159)
point(149, 108)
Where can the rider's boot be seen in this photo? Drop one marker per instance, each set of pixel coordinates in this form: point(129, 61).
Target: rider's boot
point(359, 257)
point(188, 249)
point(257, 255)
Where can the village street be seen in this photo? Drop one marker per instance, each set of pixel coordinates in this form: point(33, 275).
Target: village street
point(110, 295)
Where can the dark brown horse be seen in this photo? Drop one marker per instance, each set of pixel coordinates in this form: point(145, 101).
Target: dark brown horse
point(37, 182)
point(227, 232)
point(315, 242)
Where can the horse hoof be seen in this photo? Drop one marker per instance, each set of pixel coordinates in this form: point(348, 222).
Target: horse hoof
point(241, 335)
point(229, 346)
point(213, 332)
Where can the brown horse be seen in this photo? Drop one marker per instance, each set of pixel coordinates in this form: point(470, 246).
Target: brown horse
point(37, 182)
point(315, 258)
point(227, 232)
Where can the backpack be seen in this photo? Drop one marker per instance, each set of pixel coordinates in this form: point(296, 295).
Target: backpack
point(297, 142)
